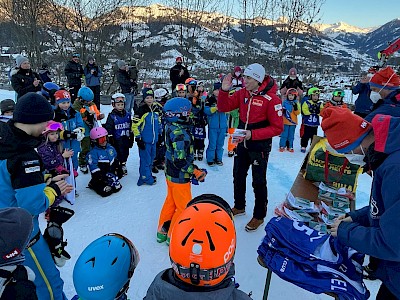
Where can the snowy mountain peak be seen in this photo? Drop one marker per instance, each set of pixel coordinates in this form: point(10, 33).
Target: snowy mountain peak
point(342, 27)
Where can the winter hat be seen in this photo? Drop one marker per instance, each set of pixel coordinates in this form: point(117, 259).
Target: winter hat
point(293, 72)
point(16, 227)
point(237, 69)
point(121, 64)
point(19, 60)
point(179, 59)
point(32, 108)
point(147, 92)
point(343, 129)
point(90, 57)
point(385, 79)
point(62, 96)
point(217, 85)
point(7, 105)
point(255, 71)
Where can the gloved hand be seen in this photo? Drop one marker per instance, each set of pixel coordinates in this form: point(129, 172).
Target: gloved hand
point(141, 145)
point(80, 133)
point(295, 106)
point(111, 140)
point(213, 109)
point(199, 175)
point(131, 139)
point(68, 135)
point(61, 170)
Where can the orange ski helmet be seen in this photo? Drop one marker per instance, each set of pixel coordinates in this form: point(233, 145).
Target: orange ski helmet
point(292, 91)
point(203, 241)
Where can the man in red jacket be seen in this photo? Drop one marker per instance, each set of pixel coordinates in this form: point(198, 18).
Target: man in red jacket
point(260, 114)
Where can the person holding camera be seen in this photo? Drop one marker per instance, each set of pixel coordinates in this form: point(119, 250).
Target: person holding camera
point(128, 85)
point(93, 74)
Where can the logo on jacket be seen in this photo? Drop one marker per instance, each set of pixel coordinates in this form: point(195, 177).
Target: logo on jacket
point(374, 208)
point(364, 124)
point(246, 100)
point(12, 254)
point(257, 102)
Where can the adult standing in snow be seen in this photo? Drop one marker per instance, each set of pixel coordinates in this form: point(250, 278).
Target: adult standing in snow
point(23, 79)
point(260, 114)
point(127, 84)
point(74, 72)
point(372, 230)
point(292, 82)
point(93, 74)
point(44, 73)
point(23, 185)
point(178, 74)
point(385, 93)
point(363, 103)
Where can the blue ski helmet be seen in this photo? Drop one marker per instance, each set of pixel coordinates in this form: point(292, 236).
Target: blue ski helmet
point(49, 88)
point(177, 109)
point(105, 267)
point(86, 94)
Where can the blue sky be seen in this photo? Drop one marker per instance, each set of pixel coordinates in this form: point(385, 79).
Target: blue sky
point(360, 13)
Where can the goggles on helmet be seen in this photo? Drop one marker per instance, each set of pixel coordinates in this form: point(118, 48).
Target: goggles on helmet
point(102, 139)
point(314, 91)
point(180, 87)
point(54, 126)
point(338, 93)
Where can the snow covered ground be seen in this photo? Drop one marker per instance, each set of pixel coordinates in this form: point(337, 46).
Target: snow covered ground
point(134, 212)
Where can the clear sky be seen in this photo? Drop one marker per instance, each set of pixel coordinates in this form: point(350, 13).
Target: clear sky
point(367, 13)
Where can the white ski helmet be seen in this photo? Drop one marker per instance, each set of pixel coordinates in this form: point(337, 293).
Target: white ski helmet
point(255, 71)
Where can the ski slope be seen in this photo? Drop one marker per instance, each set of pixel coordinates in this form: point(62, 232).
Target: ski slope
point(134, 213)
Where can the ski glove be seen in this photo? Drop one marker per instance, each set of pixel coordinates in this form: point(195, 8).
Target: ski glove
point(213, 109)
point(80, 133)
point(68, 135)
point(295, 106)
point(199, 175)
point(141, 145)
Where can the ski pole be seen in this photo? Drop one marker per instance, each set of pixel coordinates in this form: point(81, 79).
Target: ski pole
point(267, 284)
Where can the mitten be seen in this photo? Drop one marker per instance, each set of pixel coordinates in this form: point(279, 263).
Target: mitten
point(80, 133)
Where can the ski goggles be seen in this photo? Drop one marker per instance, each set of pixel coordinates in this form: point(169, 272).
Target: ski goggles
point(119, 100)
point(55, 126)
point(180, 87)
point(314, 92)
point(102, 140)
point(77, 55)
point(338, 93)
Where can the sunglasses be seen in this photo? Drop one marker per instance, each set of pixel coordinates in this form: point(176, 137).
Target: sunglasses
point(338, 93)
point(180, 87)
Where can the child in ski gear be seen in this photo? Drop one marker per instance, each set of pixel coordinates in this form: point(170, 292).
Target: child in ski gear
point(161, 96)
point(291, 109)
point(199, 120)
point(53, 154)
point(363, 103)
point(44, 73)
point(118, 126)
point(71, 120)
point(90, 114)
point(292, 82)
point(74, 72)
point(93, 74)
point(7, 107)
point(103, 164)
point(385, 85)
point(217, 127)
point(16, 280)
point(310, 110)
point(181, 90)
point(260, 113)
point(147, 128)
point(179, 167)
point(372, 230)
point(127, 84)
point(28, 189)
point(23, 79)
point(116, 259)
point(202, 265)
point(337, 99)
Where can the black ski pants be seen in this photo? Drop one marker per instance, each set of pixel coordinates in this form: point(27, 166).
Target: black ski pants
point(309, 132)
point(96, 92)
point(258, 162)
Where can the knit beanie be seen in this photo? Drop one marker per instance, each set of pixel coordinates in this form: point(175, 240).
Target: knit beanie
point(7, 105)
point(19, 60)
point(16, 225)
point(343, 129)
point(32, 108)
point(293, 72)
point(121, 63)
point(147, 92)
point(255, 71)
point(90, 57)
point(385, 78)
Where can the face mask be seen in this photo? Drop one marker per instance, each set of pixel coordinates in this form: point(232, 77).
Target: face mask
point(375, 96)
point(369, 75)
point(237, 74)
point(356, 159)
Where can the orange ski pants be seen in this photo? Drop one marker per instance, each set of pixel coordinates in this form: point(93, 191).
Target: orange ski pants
point(178, 196)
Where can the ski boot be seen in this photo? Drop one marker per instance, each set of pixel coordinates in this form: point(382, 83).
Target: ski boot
point(200, 155)
point(124, 169)
point(162, 233)
point(231, 153)
point(54, 234)
point(154, 170)
point(303, 150)
point(84, 169)
point(281, 149)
